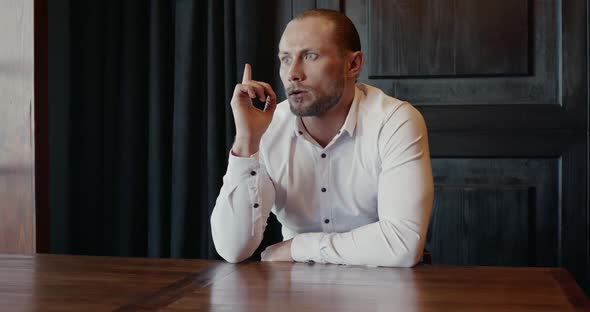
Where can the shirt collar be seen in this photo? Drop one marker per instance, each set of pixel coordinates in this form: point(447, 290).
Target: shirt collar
point(299, 128)
point(349, 123)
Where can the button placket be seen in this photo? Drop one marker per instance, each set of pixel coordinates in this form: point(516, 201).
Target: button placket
point(324, 185)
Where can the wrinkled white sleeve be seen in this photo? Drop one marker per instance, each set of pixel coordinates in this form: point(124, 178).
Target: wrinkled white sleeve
point(405, 198)
point(242, 208)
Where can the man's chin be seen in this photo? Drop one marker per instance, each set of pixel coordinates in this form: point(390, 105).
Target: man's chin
point(300, 110)
point(297, 108)
point(296, 111)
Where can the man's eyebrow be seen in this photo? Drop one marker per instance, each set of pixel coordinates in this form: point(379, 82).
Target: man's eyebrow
point(301, 52)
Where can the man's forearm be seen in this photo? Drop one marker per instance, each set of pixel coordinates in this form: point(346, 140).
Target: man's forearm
point(384, 243)
point(242, 208)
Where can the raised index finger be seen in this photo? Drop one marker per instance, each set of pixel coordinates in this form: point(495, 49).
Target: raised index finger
point(247, 73)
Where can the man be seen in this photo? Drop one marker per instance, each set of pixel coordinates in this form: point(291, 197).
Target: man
point(345, 168)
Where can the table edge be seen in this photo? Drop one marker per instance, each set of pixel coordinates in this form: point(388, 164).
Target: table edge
point(571, 290)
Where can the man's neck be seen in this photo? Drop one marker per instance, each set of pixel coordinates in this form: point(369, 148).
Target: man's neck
point(323, 128)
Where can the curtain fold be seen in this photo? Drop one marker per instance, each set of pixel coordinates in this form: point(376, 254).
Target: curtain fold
point(137, 167)
point(161, 91)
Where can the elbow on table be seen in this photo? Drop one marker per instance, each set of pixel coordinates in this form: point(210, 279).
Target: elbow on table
point(405, 251)
point(233, 259)
point(406, 260)
point(412, 256)
point(409, 260)
point(226, 244)
point(232, 256)
point(230, 252)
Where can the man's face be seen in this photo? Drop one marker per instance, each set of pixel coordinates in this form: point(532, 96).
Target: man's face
point(312, 66)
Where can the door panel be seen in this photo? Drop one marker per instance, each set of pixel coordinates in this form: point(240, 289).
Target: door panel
point(503, 89)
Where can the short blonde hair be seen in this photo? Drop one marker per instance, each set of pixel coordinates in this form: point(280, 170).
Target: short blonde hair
point(345, 33)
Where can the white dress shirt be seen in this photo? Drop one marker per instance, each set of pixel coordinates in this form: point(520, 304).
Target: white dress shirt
point(364, 199)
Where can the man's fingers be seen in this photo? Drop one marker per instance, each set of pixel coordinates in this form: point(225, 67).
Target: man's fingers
point(258, 88)
point(270, 105)
point(247, 73)
point(247, 89)
point(268, 89)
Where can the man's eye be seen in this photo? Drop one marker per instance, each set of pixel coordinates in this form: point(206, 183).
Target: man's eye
point(285, 60)
point(311, 56)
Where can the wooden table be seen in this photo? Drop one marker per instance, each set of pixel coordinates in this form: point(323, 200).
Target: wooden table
point(81, 283)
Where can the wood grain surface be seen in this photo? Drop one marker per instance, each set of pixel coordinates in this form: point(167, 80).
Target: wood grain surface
point(304, 287)
point(85, 283)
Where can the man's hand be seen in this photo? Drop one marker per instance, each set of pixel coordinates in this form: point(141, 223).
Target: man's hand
point(251, 122)
point(278, 252)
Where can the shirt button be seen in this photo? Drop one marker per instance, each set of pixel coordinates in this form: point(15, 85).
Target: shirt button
point(323, 155)
point(323, 189)
point(255, 205)
point(327, 221)
point(253, 172)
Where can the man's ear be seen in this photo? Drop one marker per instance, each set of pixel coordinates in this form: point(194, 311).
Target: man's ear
point(355, 64)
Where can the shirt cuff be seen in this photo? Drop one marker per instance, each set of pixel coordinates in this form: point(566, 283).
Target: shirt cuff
point(306, 247)
point(239, 166)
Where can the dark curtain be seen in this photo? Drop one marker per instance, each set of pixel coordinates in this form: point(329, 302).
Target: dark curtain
point(139, 119)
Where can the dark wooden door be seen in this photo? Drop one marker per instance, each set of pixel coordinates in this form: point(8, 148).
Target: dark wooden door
point(503, 87)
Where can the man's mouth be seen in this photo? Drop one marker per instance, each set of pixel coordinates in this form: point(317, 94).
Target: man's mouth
point(296, 92)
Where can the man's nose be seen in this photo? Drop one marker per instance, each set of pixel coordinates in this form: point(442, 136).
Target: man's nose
point(296, 72)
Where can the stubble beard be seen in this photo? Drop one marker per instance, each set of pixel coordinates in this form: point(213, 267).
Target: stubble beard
point(322, 103)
